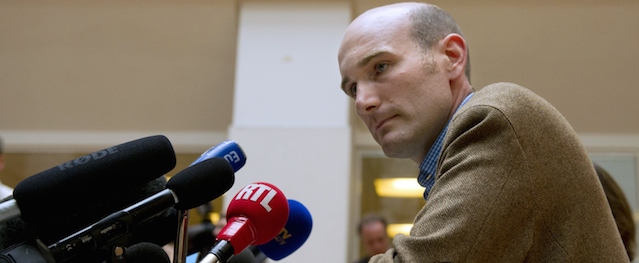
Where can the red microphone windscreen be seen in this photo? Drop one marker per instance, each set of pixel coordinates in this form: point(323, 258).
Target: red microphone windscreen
point(266, 207)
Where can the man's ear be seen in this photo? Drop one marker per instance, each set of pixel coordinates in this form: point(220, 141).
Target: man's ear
point(456, 50)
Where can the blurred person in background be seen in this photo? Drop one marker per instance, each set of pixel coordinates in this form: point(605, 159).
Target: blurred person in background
point(5, 191)
point(373, 235)
point(621, 210)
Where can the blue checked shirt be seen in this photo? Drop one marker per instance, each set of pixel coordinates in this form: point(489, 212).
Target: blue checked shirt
point(428, 167)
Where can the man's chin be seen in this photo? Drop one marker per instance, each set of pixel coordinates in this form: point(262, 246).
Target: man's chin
point(392, 154)
point(392, 150)
point(395, 147)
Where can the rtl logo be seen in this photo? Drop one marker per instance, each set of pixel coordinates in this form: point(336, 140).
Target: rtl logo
point(253, 192)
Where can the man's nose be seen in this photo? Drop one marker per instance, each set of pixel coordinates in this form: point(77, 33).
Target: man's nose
point(367, 98)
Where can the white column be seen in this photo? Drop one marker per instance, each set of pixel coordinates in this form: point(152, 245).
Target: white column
point(290, 116)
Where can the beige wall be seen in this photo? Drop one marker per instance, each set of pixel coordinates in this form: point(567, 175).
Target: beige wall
point(582, 56)
point(169, 66)
point(117, 65)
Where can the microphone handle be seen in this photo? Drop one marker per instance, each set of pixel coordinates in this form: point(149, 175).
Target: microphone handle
point(220, 253)
point(210, 258)
point(9, 209)
point(181, 239)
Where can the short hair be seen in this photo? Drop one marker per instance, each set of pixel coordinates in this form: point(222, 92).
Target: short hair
point(620, 210)
point(369, 219)
point(430, 24)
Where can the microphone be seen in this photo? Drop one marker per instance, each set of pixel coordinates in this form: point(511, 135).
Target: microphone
point(16, 230)
point(229, 150)
point(293, 235)
point(254, 216)
point(145, 252)
point(89, 179)
point(187, 189)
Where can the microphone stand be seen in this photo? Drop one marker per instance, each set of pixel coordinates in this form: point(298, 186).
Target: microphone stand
point(210, 258)
point(259, 256)
point(221, 252)
point(181, 241)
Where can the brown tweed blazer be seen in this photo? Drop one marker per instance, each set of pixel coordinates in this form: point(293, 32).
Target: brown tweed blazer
point(513, 184)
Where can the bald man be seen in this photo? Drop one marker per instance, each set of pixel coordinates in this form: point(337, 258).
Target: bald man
point(506, 177)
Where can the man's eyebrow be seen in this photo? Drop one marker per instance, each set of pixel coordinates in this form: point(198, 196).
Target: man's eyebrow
point(368, 59)
point(364, 62)
point(344, 81)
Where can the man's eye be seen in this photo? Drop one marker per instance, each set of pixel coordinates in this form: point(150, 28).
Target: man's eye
point(353, 90)
point(381, 67)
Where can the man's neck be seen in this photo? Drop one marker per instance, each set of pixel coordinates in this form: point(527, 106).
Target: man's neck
point(459, 91)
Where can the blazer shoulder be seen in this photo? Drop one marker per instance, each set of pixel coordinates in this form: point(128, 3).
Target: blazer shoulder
point(513, 101)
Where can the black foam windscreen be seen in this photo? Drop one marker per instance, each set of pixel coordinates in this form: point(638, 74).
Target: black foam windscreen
point(17, 230)
point(93, 178)
point(201, 182)
point(146, 252)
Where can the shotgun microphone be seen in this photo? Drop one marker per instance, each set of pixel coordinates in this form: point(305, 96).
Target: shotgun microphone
point(187, 189)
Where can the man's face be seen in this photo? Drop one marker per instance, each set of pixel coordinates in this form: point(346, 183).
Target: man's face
point(400, 91)
point(374, 238)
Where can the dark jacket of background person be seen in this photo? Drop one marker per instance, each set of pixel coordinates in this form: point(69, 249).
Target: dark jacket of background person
point(621, 210)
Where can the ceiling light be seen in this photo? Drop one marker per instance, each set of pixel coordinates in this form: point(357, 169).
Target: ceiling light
point(398, 187)
point(394, 229)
